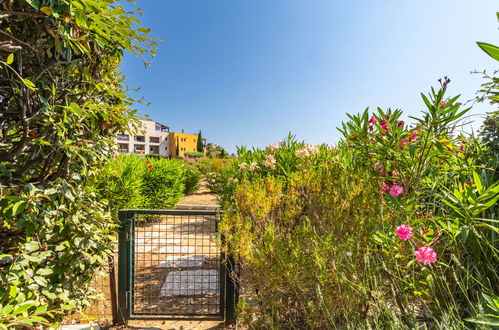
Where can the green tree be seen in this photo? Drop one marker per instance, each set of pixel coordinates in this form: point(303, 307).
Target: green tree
point(62, 99)
point(214, 150)
point(200, 146)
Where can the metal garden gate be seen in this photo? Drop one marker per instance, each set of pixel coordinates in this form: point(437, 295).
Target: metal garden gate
point(170, 267)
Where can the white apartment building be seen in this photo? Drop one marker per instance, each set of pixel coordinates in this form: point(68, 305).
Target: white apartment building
point(152, 140)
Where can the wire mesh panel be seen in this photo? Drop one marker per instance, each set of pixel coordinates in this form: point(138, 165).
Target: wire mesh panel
point(176, 264)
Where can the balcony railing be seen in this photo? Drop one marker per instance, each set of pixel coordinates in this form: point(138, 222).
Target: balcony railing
point(120, 137)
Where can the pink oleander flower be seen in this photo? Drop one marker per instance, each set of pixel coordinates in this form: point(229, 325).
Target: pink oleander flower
point(305, 170)
point(376, 165)
point(404, 142)
point(442, 104)
point(404, 232)
point(302, 153)
point(372, 120)
point(382, 122)
point(381, 171)
point(253, 166)
point(299, 165)
point(396, 190)
point(149, 167)
point(385, 187)
point(272, 147)
point(371, 128)
point(461, 147)
point(354, 135)
point(400, 123)
point(385, 127)
point(426, 255)
point(413, 138)
point(270, 161)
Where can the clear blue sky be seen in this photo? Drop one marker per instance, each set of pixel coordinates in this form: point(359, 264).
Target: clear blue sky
point(247, 72)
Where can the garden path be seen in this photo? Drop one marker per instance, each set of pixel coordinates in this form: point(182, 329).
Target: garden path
point(202, 196)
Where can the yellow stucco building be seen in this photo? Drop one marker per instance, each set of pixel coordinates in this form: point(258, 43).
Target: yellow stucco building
point(182, 143)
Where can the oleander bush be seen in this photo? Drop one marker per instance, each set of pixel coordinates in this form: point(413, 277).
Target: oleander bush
point(191, 177)
point(162, 183)
point(396, 227)
point(131, 182)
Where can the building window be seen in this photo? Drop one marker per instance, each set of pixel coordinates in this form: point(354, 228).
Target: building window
point(140, 138)
point(154, 150)
point(123, 147)
point(122, 137)
point(139, 149)
point(154, 139)
point(166, 148)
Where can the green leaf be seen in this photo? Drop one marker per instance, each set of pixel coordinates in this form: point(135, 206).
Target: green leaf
point(13, 291)
point(491, 50)
point(464, 234)
point(46, 10)
point(29, 84)
point(485, 321)
point(10, 59)
point(44, 271)
point(18, 207)
point(32, 246)
point(24, 307)
point(5, 258)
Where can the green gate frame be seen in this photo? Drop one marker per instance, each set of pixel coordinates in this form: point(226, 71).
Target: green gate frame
point(229, 289)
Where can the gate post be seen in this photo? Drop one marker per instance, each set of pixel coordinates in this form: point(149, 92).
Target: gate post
point(123, 267)
point(231, 291)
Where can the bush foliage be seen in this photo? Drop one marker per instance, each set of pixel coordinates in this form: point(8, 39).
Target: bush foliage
point(131, 182)
point(318, 230)
point(63, 100)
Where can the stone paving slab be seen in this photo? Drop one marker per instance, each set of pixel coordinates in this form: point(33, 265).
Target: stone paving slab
point(182, 261)
point(79, 327)
point(176, 249)
point(190, 282)
point(165, 241)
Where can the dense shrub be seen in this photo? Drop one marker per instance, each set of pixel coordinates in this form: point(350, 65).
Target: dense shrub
point(62, 102)
point(191, 177)
point(120, 182)
point(162, 183)
point(131, 181)
point(194, 154)
point(315, 228)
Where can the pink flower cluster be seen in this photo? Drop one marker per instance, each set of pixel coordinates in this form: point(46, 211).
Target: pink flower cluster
point(425, 255)
point(306, 151)
point(394, 189)
point(404, 232)
point(270, 161)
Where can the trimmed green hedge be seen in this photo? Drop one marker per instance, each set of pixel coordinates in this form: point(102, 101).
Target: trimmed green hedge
point(130, 181)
